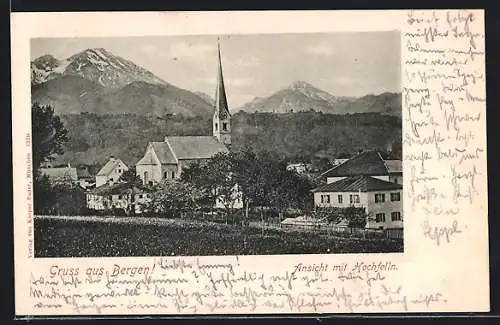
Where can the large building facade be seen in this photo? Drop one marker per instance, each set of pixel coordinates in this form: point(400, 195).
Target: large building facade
point(366, 181)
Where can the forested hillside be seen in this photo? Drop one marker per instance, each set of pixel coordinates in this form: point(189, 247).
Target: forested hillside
point(93, 138)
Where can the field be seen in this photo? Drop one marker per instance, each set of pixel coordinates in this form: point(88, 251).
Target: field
point(98, 236)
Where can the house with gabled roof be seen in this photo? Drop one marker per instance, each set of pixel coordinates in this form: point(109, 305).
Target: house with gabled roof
point(119, 195)
point(368, 181)
point(381, 199)
point(111, 171)
point(368, 163)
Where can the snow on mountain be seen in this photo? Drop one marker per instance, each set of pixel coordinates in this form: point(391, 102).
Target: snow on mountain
point(97, 81)
point(96, 64)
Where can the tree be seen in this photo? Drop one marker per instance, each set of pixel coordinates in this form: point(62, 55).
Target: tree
point(130, 177)
point(195, 174)
point(247, 176)
point(221, 180)
point(173, 198)
point(44, 197)
point(215, 180)
point(48, 134)
point(356, 217)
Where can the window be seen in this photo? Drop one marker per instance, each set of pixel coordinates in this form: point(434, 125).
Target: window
point(340, 198)
point(165, 175)
point(111, 179)
point(380, 217)
point(140, 196)
point(224, 126)
point(173, 175)
point(379, 198)
point(216, 126)
point(119, 170)
point(395, 196)
point(325, 198)
point(354, 198)
point(119, 197)
point(396, 216)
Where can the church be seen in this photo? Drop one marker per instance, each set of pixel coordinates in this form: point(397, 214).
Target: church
point(165, 160)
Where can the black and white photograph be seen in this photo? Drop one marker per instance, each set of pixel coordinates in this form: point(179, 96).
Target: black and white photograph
point(202, 145)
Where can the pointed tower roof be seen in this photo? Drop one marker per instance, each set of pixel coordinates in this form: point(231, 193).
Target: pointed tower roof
point(221, 107)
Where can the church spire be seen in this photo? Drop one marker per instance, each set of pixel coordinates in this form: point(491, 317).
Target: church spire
point(222, 117)
point(221, 106)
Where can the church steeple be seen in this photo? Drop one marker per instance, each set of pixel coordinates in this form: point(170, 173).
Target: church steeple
point(222, 117)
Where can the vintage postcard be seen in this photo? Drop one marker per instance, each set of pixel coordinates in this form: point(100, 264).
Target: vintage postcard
point(249, 162)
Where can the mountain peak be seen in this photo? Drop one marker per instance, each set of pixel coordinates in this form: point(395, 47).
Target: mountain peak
point(299, 84)
point(45, 62)
point(302, 96)
point(95, 64)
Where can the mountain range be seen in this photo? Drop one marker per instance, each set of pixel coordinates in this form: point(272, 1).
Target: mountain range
point(302, 96)
point(97, 81)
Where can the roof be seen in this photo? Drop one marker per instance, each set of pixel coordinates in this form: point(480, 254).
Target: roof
point(117, 188)
point(63, 172)
point(394, 166)
point(195, 147)
point(83, 173)
point(358, 183)
point(365, 163)
point(162, 151)
point(342, 223)
point(109, 167)
point(303, 220)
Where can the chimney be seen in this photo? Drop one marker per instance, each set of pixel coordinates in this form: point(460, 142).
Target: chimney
point(112, 158)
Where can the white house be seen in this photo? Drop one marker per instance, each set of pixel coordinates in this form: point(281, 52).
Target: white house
point(381, 199)
point(110, 173)
point(118, 196)
point(369, 163)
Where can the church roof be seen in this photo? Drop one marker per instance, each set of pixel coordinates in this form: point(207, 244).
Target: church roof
point(365, 163)
point(221, 106)
point(359, 183)
point(163, 152)
point(177, 148)
point(195, 147)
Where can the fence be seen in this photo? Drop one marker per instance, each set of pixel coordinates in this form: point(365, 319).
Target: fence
point(394, 233)
point(362, 232)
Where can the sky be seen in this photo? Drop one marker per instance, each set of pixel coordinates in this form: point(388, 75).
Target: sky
point(343, 64)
